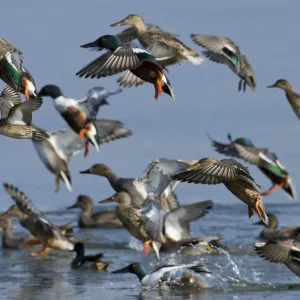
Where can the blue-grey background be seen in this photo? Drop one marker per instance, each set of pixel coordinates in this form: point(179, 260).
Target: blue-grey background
point(49, 33)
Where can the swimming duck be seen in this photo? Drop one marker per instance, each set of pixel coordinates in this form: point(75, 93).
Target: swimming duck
point(56, 151)
point(8, 241)
point(80, 115)
point(18, 125)
point(48, 234)
point(155, 179)
point(223, 50)
point(88, 219)
point(270, 233)
point(286, 252)
point(292, 97)
point(91, 262)
point(121, 57)
point(265, 160)
point(8, 98)
point(233, 175)
point(12, 70)
point(156, 277)
point(153, 226)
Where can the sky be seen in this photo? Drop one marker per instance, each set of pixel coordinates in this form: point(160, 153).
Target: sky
point(49, 33)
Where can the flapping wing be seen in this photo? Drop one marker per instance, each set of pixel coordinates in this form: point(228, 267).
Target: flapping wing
point(122, 59)
point(22, 113)
point(128, 79)
point(8, 98)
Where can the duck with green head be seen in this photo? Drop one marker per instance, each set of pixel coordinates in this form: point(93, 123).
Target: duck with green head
point(157, 277)
point(121, 57)
point(12, 70)
point(223, 50)
point(265, 160)
point(292, 97)
point(81, 118)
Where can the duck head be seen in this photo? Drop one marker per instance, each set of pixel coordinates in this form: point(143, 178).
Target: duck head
point(134, 268)
point(110, 42)
point(84, 202)
point(6, 224)
point(281, 84)
point(133, 20)
point(122, 198)
point(98, 169)
point(273, 222)
point(79, 249)
point(50, 90)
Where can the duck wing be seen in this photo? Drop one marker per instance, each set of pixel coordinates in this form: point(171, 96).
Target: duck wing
point(8, 98)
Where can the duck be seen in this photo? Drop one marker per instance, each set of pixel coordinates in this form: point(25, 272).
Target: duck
point(17, 124)
point(12, 70)
point(292, 97)
point(153, 226)
point(8, 241)
point(56, 151)
point(271, 232)
point(286, 252)
point(121, 57)
point(9, 97)
point(268, 162)
point(80, 115)
point(48, 234)
point(233, 175)
point(90, 262)
point(224, 51)
point(156, 178)
point(88, 219)
point(157, 277)
point(164, 46)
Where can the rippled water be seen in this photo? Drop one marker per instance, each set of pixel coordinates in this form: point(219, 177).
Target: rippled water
point(237, 273)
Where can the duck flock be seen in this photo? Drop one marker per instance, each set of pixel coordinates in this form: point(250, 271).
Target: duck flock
point(147, 206)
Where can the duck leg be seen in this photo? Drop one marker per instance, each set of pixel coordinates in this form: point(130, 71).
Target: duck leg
point(257, 208)
point(240, 86)
point(26, 93)
point(158, 88)
point(56, 182)
point(86, 149)
point(146, 245)
point(82, 133)
point(273, 189)
point(42, 252)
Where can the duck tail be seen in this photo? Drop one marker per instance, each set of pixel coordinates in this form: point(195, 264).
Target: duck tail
point(67, 180)
point(192, 56)
point(167, 87)
point(39, 135)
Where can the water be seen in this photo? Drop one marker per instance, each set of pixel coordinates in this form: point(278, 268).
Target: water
point(237, 273)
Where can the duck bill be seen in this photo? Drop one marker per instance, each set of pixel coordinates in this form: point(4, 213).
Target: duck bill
point(123, 270)
point(93, 44)
point(85, 172)
point(271, 86)
point(72, 206)
point(108, 200)
point(4, 215)
point(120, 23)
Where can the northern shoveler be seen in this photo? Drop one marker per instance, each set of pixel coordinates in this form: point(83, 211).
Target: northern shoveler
point(292, 97)
point(233, 175)
point(121, 57)
point(265, 160)
point(223, 50)
point(12, 70)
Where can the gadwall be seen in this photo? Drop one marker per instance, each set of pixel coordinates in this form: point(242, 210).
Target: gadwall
point(156, 277)
point(224, 51)
point(12, 70)
point(8, 241)
point(265, 160)
point(88, 219)
point(48, 234)
point(121, 57)
point(91, 262)
point(80, 116)
point(233, 175)
point(292, 97)
point(270, 232)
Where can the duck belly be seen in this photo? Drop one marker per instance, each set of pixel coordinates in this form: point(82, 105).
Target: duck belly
point(148, 72)
point(294, 267)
